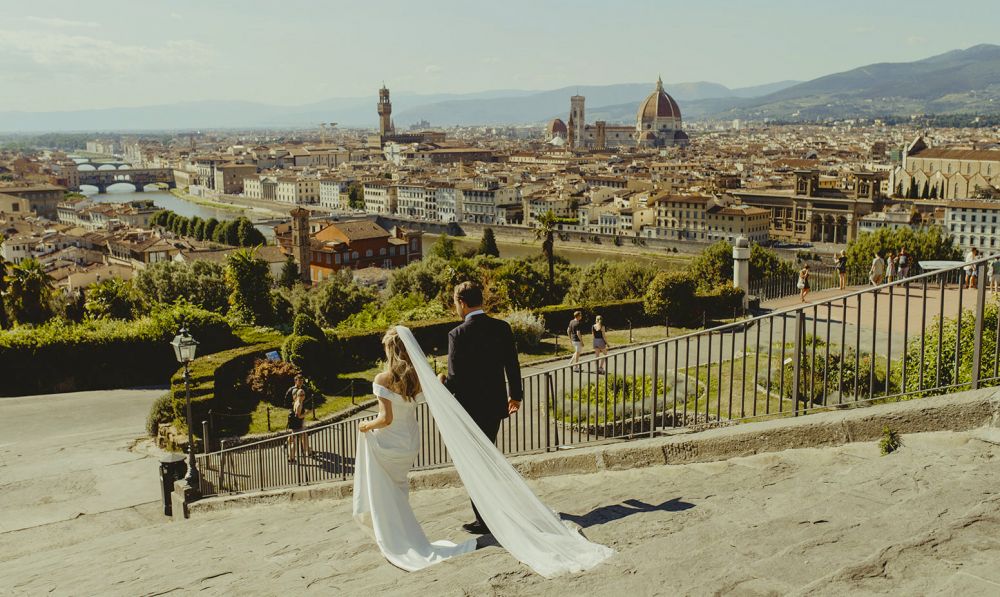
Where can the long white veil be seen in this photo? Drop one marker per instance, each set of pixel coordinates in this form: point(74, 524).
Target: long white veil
point(518, 520)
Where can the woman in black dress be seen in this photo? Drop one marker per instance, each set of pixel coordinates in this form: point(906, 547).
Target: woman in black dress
point(600, 344)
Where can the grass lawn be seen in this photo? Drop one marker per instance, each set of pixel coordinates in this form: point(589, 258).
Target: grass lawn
point(334, 402)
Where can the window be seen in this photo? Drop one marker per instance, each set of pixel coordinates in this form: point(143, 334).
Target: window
point(355, 255)
point(336, 258)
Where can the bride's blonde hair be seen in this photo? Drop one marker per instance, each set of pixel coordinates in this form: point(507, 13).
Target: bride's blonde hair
point(399, 366)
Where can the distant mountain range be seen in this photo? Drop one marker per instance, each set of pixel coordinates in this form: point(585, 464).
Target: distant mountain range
point(960, 81)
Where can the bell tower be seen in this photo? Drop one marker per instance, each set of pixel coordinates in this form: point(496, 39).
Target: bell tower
point(301, 250)
point(384, 112)
point(576, 116)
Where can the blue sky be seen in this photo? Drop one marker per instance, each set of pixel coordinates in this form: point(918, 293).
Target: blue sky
point(74, 54)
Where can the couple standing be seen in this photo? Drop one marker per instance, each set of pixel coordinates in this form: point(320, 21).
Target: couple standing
point(468, 405)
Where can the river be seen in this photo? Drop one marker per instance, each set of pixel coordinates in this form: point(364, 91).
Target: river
point(123, 193)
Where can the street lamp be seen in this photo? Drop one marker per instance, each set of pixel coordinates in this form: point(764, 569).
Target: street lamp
point(184, 349)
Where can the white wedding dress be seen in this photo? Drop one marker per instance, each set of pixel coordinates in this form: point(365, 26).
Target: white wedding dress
point(381, 490)
point(517, 519)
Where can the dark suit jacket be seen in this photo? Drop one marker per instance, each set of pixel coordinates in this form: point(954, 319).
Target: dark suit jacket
point(481, 352)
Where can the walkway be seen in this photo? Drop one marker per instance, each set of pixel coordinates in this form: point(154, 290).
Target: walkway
point(835, 521)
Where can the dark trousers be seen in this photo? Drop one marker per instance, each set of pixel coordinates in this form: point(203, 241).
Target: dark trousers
point(491, 429)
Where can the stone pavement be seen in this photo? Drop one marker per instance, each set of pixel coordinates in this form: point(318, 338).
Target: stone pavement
point(827, 521)
point(68, 455)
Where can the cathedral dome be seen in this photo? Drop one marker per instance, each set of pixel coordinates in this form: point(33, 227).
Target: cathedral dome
point(658, 105)
point(556, 128)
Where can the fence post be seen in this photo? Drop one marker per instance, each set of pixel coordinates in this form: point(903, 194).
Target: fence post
point(268, 418)
point(630, 331)
point(656, 383)
point(977, 346)
point(204, 437)
point(312, 400)
point(352, 390)
point(666, 325)
point(800, 330)
point(548, 411)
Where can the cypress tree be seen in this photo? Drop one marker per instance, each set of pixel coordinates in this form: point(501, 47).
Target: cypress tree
point(488, 245)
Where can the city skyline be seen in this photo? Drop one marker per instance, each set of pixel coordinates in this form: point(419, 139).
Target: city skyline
point(66, 56)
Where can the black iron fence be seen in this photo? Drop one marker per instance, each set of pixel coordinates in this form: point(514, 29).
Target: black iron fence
point(928, 334)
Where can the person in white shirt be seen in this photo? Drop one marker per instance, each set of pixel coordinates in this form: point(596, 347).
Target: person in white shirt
point(877, 271)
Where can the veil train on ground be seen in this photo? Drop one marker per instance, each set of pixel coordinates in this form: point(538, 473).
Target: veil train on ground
point(519, 521)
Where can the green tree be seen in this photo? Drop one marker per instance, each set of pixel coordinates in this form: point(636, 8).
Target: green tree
point(220, 232)
point(519, 285)
point(714, 267)
point(289, 273)
point(545, 231)
point(159, 218)
point(210, 225)
point(29, 293)
point(338, 297)
point(232, 233)
point(443, 247)
point(912, 192)
point(671, 294)
point(249, 281)
point(488, 244)
point(356, 196)
point(605, 280)
point(197, 228)
point(202, 283)
point(248, 235)
point(930, 243)
point(4, 272)
point(170, 222)
point(111, 298)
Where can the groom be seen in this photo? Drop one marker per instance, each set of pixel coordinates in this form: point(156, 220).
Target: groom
point(481, 353)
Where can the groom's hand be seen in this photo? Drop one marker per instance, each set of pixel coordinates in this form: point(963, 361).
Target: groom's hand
point(442, 377)
point(513, 406)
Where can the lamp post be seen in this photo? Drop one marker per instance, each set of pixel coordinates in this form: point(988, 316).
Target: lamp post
point(184, 349)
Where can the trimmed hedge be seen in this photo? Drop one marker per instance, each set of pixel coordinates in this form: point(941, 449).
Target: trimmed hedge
point(103, 354)
point(616, 315)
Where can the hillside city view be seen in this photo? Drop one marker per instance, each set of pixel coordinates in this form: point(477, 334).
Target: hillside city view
point(531, 299)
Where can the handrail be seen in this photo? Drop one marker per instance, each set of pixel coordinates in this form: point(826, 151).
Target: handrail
point(695, 379)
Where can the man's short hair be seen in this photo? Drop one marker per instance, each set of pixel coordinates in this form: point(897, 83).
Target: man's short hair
point(469, 293)
point(577, 313)
point(299, 378)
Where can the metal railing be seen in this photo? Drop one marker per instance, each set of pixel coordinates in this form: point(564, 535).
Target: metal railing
point(890, 342)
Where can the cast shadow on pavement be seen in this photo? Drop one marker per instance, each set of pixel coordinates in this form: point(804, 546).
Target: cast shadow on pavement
point(605, 514)
point(627, 508)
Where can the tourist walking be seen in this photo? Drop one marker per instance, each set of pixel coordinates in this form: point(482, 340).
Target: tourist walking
point(970, 270)
point(600, 344)
point(903, 264)
point(803, 284)
point(298, 443)
point(877, 271)
point(840, 262)
point(890, 268)
point(573, 331)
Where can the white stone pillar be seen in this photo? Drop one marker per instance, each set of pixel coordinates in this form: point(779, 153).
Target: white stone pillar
point(741, 267)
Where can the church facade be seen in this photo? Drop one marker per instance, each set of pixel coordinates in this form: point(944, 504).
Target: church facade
point(657, 124)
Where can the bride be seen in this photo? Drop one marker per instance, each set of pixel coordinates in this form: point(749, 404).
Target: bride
point(388, 446)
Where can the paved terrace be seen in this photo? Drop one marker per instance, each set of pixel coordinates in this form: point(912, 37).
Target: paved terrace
point(811, 521)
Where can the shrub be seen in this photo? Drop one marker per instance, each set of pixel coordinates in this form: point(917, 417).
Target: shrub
point(670, 294)
point(606, 280)
point(112, 298)
point(527, 327)
point(271, 379)
point(162, 411)
point(337, 298)
point(97, 354)
point(305, 325)
point(310, 355)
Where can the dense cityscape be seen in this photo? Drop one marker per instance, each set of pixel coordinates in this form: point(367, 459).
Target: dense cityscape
point(405, 298)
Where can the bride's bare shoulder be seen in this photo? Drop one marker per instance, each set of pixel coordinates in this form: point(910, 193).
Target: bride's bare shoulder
point(384, 379)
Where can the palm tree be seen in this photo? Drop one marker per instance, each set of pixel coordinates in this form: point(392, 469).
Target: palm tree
point(4, 322)
point(546, 232)
point(29, 293)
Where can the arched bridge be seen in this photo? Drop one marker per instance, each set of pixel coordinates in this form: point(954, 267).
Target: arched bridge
point(139, 177)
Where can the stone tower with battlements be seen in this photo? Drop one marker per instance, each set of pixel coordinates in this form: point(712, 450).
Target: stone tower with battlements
point(384, 112)
point(300, 242)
